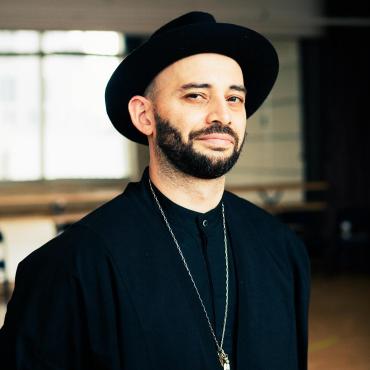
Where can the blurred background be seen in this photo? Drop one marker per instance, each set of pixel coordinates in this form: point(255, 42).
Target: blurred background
point(306, 159)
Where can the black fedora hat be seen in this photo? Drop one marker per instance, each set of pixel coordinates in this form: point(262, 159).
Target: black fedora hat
point(192, 33)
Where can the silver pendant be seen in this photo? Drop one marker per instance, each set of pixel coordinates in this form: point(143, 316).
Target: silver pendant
point(224, 360)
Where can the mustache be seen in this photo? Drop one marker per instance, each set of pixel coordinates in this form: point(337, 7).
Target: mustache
point(215, 128)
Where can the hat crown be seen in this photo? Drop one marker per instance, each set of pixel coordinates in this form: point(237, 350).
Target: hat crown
point(184, 20)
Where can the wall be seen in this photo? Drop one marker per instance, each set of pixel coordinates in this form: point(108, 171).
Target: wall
point(283, 17)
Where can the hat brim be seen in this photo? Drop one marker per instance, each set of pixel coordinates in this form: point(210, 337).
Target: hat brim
point(254, 53)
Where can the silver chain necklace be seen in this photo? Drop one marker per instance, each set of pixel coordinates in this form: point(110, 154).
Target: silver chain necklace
point(223, 357)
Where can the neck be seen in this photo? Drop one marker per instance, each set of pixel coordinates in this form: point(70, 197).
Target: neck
point(189, 192)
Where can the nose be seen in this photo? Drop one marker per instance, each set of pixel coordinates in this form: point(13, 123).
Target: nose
point(218, 112)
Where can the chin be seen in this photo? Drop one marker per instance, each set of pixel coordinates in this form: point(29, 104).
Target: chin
point(216, 156)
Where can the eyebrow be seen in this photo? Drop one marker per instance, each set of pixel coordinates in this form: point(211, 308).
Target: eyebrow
point(240, 88)
point(193, 85)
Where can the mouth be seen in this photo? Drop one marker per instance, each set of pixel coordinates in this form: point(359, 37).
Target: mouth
point(217, 139)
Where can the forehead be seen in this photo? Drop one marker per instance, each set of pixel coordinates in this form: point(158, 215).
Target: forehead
point(206, 67)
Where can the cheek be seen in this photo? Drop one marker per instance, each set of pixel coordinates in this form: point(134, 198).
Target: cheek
point(185, 124)
point(240, 124)
point(193, 114)
point(241, 132)
point(243, 129)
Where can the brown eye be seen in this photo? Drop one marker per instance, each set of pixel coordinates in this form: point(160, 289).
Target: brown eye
point(194, 96)
point(235, 99)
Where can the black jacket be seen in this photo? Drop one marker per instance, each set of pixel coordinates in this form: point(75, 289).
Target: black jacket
point(111, 293)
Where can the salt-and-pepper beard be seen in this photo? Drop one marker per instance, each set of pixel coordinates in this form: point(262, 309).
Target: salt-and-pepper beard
point(183, 156)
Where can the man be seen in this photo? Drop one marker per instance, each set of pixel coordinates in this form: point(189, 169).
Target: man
point(175, 273)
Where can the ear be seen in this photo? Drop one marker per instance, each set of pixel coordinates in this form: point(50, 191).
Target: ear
point(141, 112)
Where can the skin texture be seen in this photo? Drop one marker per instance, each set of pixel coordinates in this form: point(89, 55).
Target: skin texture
point(193, 94)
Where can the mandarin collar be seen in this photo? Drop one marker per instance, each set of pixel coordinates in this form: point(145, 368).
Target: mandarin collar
point(183, 217)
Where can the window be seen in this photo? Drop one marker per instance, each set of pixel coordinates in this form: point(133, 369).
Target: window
point(53, 122)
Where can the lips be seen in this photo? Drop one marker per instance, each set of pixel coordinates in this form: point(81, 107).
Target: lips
point(217, 138)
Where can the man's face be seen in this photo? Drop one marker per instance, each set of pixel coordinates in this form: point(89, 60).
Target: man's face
point(199, 105)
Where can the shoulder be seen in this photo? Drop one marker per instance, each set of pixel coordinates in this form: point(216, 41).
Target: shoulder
point(122, 213)
point(252, 213)
point(64, 254)
point(273, 235)
point(91, 239)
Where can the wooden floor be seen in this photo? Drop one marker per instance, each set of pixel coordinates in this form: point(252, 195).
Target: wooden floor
point(339, 323)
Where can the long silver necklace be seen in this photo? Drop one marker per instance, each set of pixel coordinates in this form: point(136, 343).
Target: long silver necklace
point(223, 357)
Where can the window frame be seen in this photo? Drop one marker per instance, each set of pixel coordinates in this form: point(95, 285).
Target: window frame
point(43, 184)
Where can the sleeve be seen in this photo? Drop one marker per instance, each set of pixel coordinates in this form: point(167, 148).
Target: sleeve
point(47, 325)
point(302, 276)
